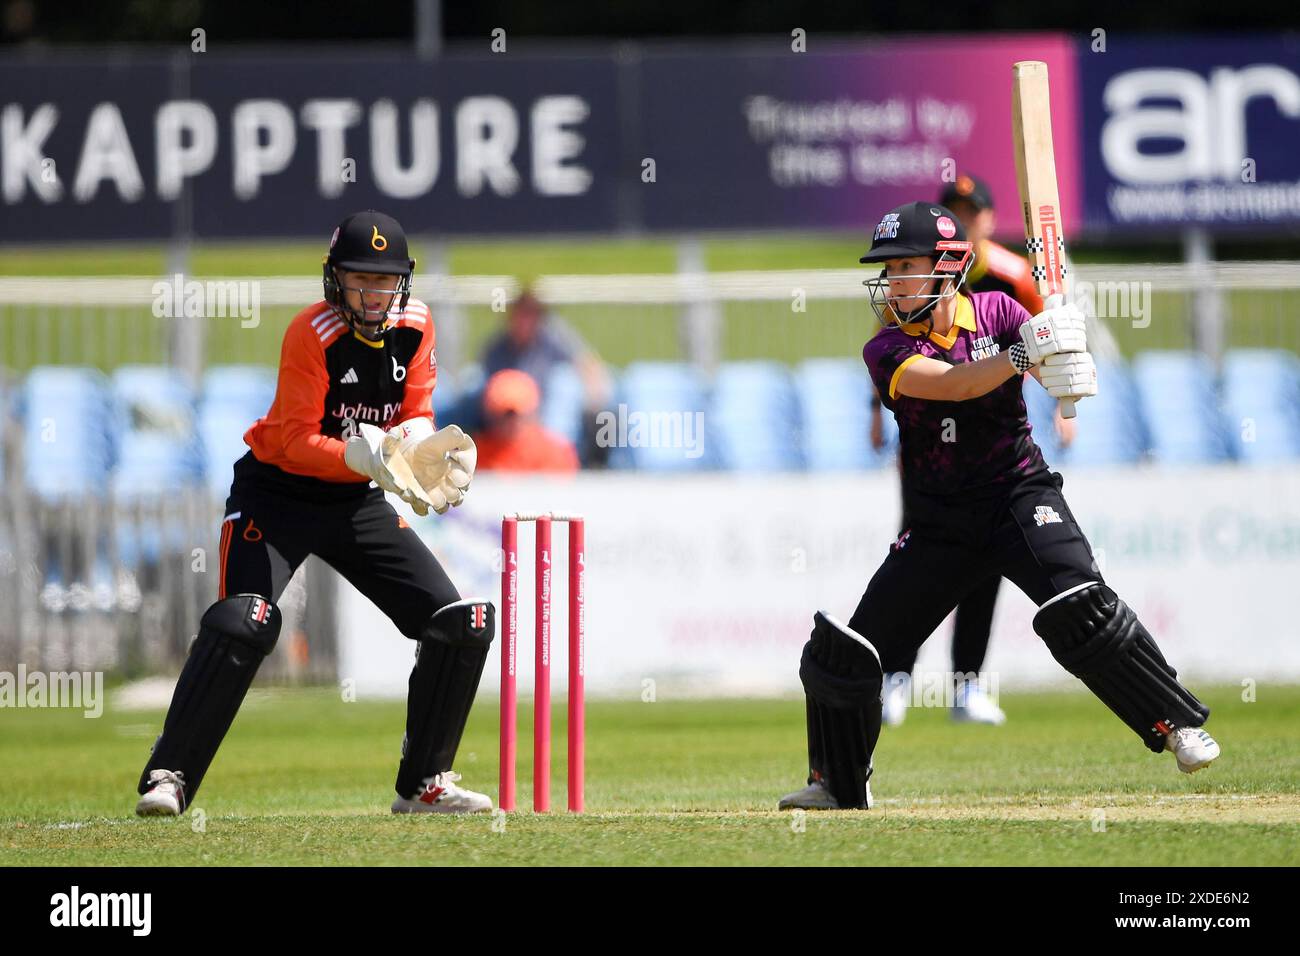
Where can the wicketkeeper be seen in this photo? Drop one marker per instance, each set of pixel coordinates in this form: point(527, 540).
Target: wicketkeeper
point(352, 406)
point(979, 499)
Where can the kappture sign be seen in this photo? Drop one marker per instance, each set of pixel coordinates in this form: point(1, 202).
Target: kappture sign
point(281, 146)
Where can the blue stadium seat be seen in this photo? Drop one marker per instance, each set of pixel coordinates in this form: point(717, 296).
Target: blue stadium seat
point(1042, 419)
point(445, 398)
point(221, 431)
point(152, 464)
point(835, 398)
point(158, 455)
point(1261, 399)
point(234, 396)
point(754, 417)
point(662, 405)
point(158, 448)
point(245, 385)
point(67, 431)
point(1180, 403)
point(463, 404)
point(562, 401)
point(1109, 427)
point(157, 395)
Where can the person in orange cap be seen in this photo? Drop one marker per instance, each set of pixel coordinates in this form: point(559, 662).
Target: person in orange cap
point(514, 440)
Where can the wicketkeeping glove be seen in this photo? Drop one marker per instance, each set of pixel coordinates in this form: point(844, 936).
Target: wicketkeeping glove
point(443, 462)
point(375, 453)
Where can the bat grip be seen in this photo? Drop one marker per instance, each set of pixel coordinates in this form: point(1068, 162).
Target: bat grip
point(1067, 408)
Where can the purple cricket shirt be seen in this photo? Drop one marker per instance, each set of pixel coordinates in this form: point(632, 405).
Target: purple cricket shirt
point(957, 448)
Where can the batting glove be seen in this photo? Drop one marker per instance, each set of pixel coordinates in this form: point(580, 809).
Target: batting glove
point(1059, 329)
point(1069, 375)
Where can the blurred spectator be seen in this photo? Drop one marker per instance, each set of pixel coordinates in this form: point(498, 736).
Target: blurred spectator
point(536, 341)
point(513, 439)
point(996, 268)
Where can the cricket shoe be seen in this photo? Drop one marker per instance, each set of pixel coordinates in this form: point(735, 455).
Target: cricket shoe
point(165, 796)
point(1192, 747)
point(815, 796)
point(971, 705)
point(441, 795)
point(893, 702)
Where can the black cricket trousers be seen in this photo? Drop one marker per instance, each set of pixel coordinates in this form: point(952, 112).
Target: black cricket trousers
point(269, 529)
point(956, 546)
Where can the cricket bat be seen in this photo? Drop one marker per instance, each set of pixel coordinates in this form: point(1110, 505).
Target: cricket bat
point(1031, 130)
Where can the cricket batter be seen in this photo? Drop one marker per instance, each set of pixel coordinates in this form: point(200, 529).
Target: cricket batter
point(995, 269)
point(980, 500)
point(353, 405)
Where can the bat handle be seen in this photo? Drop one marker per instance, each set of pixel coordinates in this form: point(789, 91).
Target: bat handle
point(1055, 301)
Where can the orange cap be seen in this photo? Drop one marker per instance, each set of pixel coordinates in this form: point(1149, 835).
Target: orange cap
point(511, 390)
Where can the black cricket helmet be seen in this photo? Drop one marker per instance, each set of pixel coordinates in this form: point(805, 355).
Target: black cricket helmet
point(919, 229)
point(368, 241)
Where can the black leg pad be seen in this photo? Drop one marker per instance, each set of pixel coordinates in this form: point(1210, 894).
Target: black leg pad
point(235, 635)
point(842, 680)
point(449, 660)
point(1096, 637)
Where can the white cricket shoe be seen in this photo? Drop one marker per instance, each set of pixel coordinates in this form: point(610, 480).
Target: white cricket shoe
point(441, 795)
point(971, 705)
point(1192, 747)
point(815, 796)
point(165, 796)
point(893, 702)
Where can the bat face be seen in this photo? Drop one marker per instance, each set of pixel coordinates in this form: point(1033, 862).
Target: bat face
point(1031, 125)
point(1036, 176)
point(1047, 245)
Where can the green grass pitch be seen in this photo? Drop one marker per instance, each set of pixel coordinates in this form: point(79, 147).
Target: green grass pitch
point(305, 779)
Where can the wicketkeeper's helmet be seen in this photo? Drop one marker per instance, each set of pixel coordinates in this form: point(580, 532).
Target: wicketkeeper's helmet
point(368, 242)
